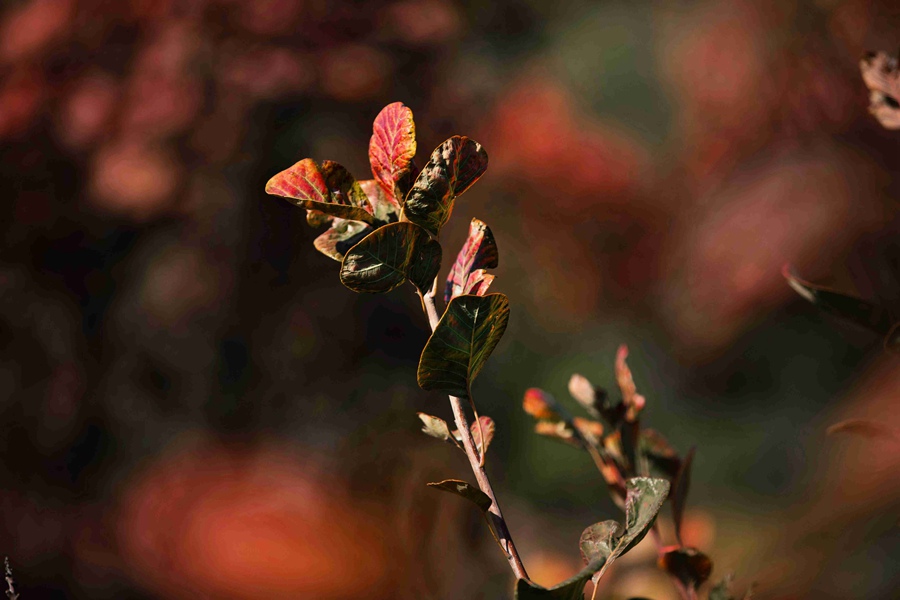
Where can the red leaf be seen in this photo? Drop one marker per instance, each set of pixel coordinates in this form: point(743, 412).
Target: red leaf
point(384, 207)
point(392, 148)
point(468, 274)
point(328, 188)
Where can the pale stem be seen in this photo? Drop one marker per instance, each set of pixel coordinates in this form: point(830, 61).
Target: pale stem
point(484, 484)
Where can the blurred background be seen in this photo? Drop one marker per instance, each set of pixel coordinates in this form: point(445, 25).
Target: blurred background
point(192, 406)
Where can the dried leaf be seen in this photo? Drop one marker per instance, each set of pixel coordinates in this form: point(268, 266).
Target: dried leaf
point(462, 342)
point(881, 75)
point(454, 166)
point(328, 188)
point(468, 271)
point(463, 489)
point(391, 150)
point(390, 255)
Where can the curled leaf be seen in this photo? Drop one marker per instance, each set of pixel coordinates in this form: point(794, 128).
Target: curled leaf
point(467, 333)
point(328, 188)
point(488, 427)
point(865, 428)
point(454, 166)
point(391, 150)
point(468, 273)
point(867, 314)
point(540, 405)
point(390, 255)
point(434, 427)
point(881, 75)
point(340, 237)
point(463, 489)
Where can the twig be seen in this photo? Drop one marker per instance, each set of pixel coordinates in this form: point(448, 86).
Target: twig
point(484, 484)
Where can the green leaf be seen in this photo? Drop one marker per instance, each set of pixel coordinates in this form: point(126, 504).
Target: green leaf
point(604, 542)
point(462, 342)
point(680, 486)
point(468, 273)
point(340, 237)
point(570, 589)
point(867, 314)
point(329, 189)
point(435, 427)
point(463, 489)
point(390, 255)
point(392, 148)
point(690, 566)
point(454, 166)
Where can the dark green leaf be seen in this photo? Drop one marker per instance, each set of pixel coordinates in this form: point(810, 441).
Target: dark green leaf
point(392, 148)
point(340, 237)
point(680, 490)
point(570, 589)
point(477, 254)
point(454, 166)
point(461, 488)
point(850, 308)
point(690, 566)
point(329, 189)
point(390, 255)
point(462, 342)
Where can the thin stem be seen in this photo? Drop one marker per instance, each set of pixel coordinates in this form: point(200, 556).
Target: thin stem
point(484, 484)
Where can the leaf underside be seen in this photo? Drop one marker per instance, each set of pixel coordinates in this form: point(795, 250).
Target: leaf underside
point(390, 255)
point(477, 254)
point(464, 490)
point(340, 237)
point(462, 342)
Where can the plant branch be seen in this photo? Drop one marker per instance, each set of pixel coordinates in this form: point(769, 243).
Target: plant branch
point(475, 460)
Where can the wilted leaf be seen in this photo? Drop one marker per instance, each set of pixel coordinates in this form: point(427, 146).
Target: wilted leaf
point(434, 426)
point(383, 208)
point(454, 166)
point(328, 188)
point(690, 566)
point(461, 488)
point(680, 486)
point(392, 148)
point(390, 255)
point(462, 342)
point(477, 254)
point(865, 428)
point(342, 236)
point(661, 458)
point(540, 404)
point(881, 75)
point(856, 310)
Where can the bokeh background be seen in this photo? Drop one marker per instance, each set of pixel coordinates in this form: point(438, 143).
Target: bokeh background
point(191, 405)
